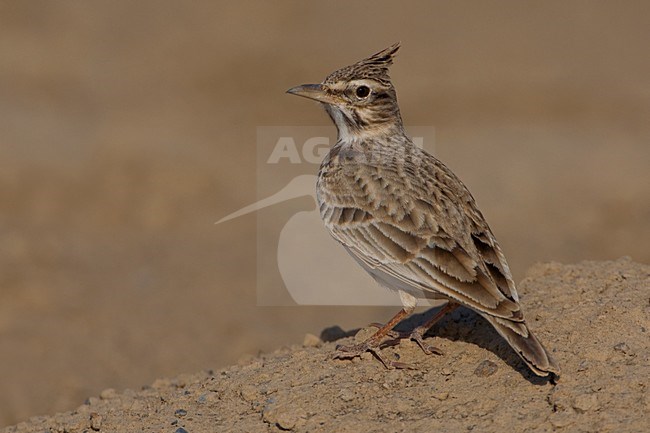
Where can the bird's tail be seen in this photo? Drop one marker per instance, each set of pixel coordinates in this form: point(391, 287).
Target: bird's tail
point(526, 345)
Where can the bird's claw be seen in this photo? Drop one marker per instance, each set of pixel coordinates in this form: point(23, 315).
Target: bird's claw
point(428, 349)
point(352, 351)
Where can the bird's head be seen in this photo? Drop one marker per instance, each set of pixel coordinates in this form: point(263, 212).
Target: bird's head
point(360, 98)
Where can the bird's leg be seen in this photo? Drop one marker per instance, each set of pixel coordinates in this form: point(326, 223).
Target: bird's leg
point(417, 334)
point(372, 344)
point(391, 333)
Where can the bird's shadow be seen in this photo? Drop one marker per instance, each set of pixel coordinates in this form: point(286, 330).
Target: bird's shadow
point(462, 324)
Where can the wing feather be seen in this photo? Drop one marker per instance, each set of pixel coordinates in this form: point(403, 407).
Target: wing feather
point(415, 227)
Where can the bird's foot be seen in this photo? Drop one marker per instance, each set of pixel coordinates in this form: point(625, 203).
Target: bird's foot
point(416, 335)
point(374, 343)
point(370, 345)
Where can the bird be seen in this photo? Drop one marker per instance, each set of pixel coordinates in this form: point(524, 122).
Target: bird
point(407, 219)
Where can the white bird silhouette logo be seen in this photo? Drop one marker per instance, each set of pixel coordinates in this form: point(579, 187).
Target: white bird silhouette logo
point(311, 263)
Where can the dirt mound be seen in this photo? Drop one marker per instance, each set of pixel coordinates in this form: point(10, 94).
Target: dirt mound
point(594, 316)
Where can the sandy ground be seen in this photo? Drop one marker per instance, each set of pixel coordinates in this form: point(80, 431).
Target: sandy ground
point(594, 315)
point(128, 128)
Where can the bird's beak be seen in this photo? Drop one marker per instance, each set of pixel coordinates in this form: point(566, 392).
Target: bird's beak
point(317, 92)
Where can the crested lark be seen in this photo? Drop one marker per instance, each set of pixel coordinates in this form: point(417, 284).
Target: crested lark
point(406, 218)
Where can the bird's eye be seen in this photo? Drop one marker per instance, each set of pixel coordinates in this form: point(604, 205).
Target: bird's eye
point(363, 91)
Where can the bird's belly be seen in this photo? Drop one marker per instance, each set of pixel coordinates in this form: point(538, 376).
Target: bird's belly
point(389, 282)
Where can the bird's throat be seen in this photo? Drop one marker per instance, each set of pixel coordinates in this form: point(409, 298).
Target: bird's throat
point(353, 126)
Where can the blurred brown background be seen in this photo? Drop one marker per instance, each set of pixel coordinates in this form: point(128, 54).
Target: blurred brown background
point(128, 128)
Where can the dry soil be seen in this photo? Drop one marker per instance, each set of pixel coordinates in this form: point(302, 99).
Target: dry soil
point(594, 315)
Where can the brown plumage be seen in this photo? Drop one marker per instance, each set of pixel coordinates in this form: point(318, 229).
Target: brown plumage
point(405, 217)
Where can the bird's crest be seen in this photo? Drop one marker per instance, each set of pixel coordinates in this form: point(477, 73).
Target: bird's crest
point(374, 67)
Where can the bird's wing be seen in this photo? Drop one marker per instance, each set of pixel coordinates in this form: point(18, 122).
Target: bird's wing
point(426, 242)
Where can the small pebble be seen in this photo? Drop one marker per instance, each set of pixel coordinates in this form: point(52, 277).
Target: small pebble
point(486, 368)
point(95, 421)
point(180, 413)
point(562, 419)
point(180, 430)
point(623, 348)
point(442, 396)
point(284, 417)
point(346, 394)
point(108, 394)
point(311, 340)
point(585, 403)
point(286, 421)
point(446, 371)
point(249, 393)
